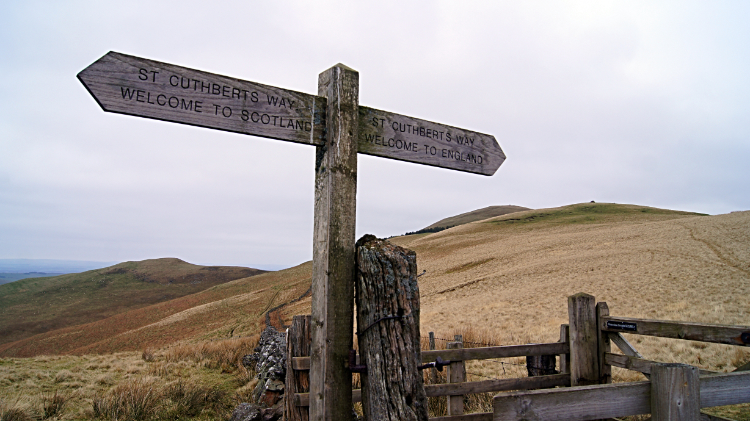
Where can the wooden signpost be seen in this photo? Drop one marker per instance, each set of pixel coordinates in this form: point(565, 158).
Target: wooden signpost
point(334, 122)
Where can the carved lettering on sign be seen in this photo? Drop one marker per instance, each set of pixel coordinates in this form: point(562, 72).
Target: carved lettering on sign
point(410, 139)
point(136, 86)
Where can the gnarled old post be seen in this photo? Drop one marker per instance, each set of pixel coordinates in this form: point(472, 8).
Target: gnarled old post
point(387, 299)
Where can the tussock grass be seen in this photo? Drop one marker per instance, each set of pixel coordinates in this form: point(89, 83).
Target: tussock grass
point(225, 354)
point(200, 380)
point(134, 399)
point(54, 404)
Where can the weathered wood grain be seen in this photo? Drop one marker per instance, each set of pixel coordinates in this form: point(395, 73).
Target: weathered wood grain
point(574, 403)
point(584, 356)
point(638, 364)
point(604, 345)
point(725, 389)
point(456, 375)
point(387, 298)
point(333, 248)
point(675, 392)
point(541, 365)
point(484, 386)
point(611, 400)
point(395, 136)
point(565, 357)
point(465, 354)
point(297, 381)
point(497, 385)
point(303, 399)
point(140, 87)
point(721, 334)
point(484, 353)
point(433, 370)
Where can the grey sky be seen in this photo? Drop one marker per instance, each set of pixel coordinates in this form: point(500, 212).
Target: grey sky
point(628, 102)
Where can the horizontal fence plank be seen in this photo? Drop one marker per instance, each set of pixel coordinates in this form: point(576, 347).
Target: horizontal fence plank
point(637, 364)
point(575, 403)
point(303, 399)
point(479, 416)
point(611, 400)
point(498, 385)
point(628, 362)
point(448, 389)
point(720, 334)
point(465, 354)
point(300, 363)
point(725, 389)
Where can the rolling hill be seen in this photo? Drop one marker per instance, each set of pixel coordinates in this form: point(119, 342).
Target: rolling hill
point(508, 275)
point(475, 215)
point(36, 305)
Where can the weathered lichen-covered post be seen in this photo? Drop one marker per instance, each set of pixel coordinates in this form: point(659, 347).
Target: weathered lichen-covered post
point(333, 248)
point(584, 352)
point(675, 392)
point(297, 381)
point(388, 329)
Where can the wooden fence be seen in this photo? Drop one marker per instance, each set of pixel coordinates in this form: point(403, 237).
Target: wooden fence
point(673, 392)
point(582, 389)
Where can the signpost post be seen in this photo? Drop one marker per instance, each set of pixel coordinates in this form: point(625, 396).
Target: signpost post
point(334, 122)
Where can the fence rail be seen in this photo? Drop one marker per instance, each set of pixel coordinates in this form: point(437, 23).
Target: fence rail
point(611, 400)
point(720, 334)
point(467, 354)
point(454, 389)
point(585, 358)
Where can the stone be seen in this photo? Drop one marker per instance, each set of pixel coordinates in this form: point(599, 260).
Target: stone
point(246, 412)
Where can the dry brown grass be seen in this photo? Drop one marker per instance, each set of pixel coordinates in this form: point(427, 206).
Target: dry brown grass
point(508, 283)
point(200, 380)
point(502, 281)
point(517, 277)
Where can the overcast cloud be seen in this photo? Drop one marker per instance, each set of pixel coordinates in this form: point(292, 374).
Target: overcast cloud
point(628, 102)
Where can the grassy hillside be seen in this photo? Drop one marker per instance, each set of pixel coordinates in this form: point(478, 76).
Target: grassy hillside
point(503, 280)
point(234, 308)
point(511, 275)
point(37, 305)
point(476, 215)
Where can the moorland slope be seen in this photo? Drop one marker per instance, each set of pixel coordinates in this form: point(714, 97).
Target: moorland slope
point(508, 275)
point(36, 305)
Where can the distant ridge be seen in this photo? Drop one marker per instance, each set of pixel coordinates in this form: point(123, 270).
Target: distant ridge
point(36, 305)
point(50, 265)
point(465, 218)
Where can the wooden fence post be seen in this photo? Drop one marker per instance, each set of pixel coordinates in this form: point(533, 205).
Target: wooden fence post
point(456, 374)
point(388, 330)
point(297, 345)
point(675, 392)
point(565, 358)
point(604, 346)
point(433, 370)
point(540, 365)
point(333, 248)
point(584, 353)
